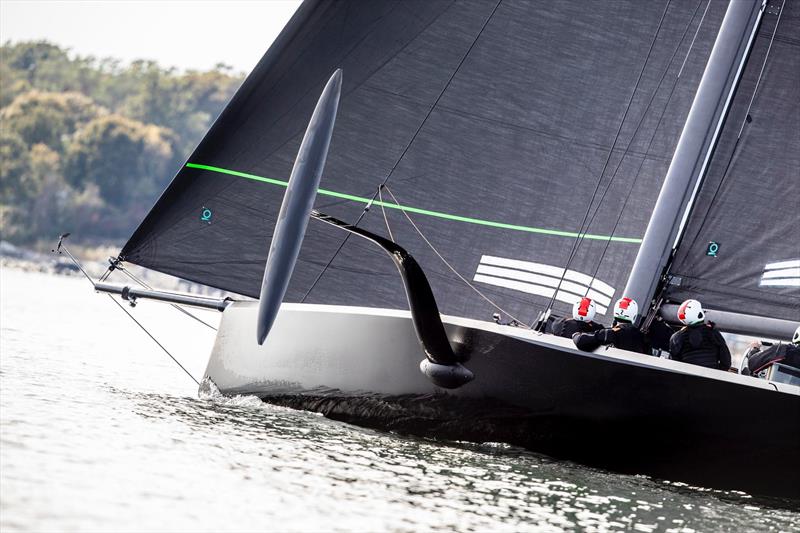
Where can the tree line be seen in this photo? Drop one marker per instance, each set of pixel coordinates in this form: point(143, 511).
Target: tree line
point(88, 144)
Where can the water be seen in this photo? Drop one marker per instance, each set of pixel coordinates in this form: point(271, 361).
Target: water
point(100, 431)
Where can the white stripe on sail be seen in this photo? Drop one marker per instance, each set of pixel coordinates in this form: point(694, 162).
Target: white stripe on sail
point(549, 270)
point(784, 282)
point(531, 288)
point(793, 263)
point(576, 288)
point(782, 273)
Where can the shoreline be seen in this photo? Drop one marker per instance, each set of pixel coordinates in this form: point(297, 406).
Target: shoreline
point(95, 261)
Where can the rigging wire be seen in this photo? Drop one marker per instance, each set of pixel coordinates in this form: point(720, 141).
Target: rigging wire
point(403, 154)
point(146, 286)
point(61, 247)
point(154, 339)
point(448, 265)
point(385, 218)
point(745, 121)
point(583, 228)
point(655, 130)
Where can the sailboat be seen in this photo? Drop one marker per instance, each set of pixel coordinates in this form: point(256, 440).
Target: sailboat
point(507, 158)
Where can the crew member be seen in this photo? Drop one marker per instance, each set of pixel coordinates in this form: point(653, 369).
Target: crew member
point(583, 312)
point(759, 358)
point(698, 343)
point(623, 335)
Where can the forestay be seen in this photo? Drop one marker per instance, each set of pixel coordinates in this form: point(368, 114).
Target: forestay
point(741, 248)
point(491, 122)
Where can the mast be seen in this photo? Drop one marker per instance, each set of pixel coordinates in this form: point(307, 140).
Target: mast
point(695, 146)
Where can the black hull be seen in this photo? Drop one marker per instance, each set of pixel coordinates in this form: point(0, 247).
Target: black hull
point(635, 415)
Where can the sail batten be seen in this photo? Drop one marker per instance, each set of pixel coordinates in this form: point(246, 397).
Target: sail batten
point(503, 166)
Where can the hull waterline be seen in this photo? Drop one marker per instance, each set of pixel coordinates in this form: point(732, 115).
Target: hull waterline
point(612, 409)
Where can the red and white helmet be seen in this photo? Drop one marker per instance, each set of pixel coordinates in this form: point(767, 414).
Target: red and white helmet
point(583, 310)
point(796, 336)
point(691, 312)
point(626, 309)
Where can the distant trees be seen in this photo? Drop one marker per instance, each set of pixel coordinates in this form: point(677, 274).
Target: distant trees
point(86, 145)
point(125, 158)
point(44, 117)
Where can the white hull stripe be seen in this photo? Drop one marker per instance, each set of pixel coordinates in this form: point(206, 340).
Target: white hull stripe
point(543, 280)
point(781, 274)
point(537, 279)
point(793, 263)
point(530, 288)
point(549, 270)
point(786, 282)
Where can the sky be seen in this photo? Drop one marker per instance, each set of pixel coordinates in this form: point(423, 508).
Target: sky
point(186, 34)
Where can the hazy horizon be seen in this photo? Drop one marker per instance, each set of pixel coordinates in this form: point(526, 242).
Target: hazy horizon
point(178, 34)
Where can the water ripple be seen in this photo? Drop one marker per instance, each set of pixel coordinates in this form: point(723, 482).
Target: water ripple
point(99, 432)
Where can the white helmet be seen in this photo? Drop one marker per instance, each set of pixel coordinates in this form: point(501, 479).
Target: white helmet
point(626, 309)
point(691, 312)
point(796, 336)
point(583, 310)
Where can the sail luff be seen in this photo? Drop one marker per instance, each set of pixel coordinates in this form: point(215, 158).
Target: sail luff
point(696, 142)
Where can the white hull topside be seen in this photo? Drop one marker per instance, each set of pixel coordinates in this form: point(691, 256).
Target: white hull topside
point(362, 349)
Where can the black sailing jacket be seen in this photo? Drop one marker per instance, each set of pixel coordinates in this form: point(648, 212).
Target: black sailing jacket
point(788, 354)
point(567, 327)
point(700, 344)
point(623, 336)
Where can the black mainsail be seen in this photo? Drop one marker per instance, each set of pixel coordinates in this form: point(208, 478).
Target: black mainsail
point(500, 126)
point(740, 251)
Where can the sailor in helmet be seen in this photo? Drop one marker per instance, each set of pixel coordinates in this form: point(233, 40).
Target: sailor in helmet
point(623, 335)
point(583, 312)
point(698, 343)
point(760, 357)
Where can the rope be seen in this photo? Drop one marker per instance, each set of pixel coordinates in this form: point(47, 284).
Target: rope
point(402, 155)
point(72, 257)
point(583, 227)
point(383, 210)
point(154, 339)
point(448, 265)
point(175, 306)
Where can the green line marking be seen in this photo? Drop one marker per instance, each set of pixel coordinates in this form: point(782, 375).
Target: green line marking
point(409, 209)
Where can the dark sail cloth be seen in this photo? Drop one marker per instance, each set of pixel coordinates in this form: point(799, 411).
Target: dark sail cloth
point(702, 345)
point(623, 335)
point(787, 354)
point(567, 327)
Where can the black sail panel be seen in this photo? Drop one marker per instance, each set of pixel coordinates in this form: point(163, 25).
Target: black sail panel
point(492, 123)
point(741, 248)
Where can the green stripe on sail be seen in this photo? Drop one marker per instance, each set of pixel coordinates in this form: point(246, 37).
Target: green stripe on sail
point(438, 214)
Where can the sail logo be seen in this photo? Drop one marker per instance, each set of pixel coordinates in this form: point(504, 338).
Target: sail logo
point(543, 280)
point(781, 274)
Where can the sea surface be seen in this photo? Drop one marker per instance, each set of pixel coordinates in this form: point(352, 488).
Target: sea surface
point(100, 431)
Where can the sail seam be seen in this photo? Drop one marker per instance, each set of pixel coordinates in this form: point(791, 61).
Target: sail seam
point(410, 209)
